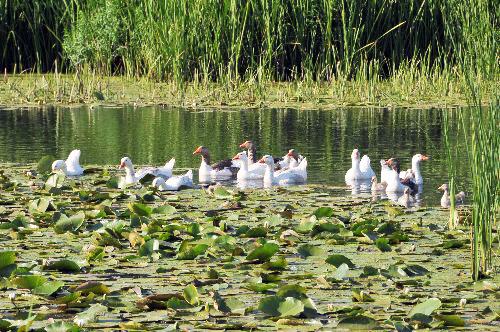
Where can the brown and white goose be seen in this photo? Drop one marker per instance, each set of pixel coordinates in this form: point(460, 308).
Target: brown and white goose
point(220, 170)
point(252, 152)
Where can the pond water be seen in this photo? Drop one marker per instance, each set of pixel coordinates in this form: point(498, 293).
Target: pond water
point(152, 135)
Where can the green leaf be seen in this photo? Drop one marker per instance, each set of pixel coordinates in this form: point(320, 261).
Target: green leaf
point(48, 288)
point(338, 260)
point(307, 250)
point(260, 287)
point(453, 244)
point(44, 165)
point(451, 320)
point(90, 315)
point(187, 251)
point(425, 308)
point(165, 209)
point(140, 209)
point(341, 271)
point(295, 291)
point(290, 307)
point(71, 224)
point(222, 193)
point(29, 282)
point(263, 253)
point(7, 258)
point(39, 205)
point(55, 181)
point(358, 322)
point(191, 295)
point(323, 212)
point(383, 244)
point(149, 247)
point(95, 287)
point(62, 327)
point(361, 296)
point(269, 305)
point(63, 265)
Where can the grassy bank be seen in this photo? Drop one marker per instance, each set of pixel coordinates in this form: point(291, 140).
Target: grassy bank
point(404, 90)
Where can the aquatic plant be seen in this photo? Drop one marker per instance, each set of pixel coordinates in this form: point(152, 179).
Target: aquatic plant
point(230, 41)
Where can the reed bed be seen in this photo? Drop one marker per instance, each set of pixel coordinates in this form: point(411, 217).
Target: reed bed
point(252, 41)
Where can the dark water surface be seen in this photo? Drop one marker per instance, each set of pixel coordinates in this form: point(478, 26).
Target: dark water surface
point(152, 135)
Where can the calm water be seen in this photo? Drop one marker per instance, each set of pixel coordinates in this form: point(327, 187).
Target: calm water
point(152, 135)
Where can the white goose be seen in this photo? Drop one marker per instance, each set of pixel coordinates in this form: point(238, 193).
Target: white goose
point(286, 177)
point(291, 160)
point(71, 166)
point(131, 176)
point(249, 172)
point(360, 170)
point(394, 184)
point(384, 170)
point(174, 183)
point(415, 168)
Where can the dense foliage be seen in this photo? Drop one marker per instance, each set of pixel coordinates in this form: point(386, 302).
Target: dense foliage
point(266, 39)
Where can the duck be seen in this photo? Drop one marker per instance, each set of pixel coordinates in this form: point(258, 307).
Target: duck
point(406, 200)
point(394, 184)
point(248, 172)
point(174, 183)
point(446, 201)
point(295, 175)
point(290, 160)
point(361, 169)
point(223, 169)
point(378, 187)
point(131, 176)
point(252, 152)
point(70, 166)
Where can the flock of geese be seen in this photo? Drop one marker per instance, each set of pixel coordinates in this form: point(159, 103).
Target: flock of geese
point(271, 171)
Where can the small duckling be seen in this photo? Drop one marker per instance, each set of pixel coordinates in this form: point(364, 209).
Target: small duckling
point(446, 201)
point(378, 186)
point(406, 200)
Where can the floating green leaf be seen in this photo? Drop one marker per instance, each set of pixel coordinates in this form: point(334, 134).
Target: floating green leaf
point(63, 265)
point(48, 288)
point(383, 244)
point(140, 209)
point(357, 323)
point(338, 259)
point(191, 295)
point(264, 252)
point(71, 224)
point(29, 281)
point(307, 250)
point(425, 308)
point(323, 212)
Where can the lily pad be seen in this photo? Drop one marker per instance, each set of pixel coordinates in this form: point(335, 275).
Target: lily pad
point(338, 260)
point(48, 288)
point(71, 224)
point(425, 308)
point(358, 322)
point(307, 250)
point(264, 252)
point(191, 295)
point(29, 282)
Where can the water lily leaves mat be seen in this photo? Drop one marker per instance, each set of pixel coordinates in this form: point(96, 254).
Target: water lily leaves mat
point(83, 254)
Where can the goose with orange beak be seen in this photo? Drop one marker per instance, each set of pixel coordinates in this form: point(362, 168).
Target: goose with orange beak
point(224, 169)
point(415, 175)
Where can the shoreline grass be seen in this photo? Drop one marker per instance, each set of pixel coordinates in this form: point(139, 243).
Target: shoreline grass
point(73, 90)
